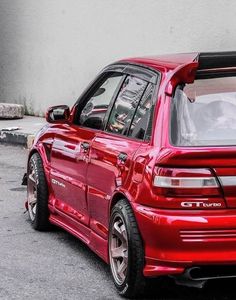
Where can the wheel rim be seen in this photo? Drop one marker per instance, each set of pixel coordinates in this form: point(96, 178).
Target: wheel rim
point(118, 249)
point(32, 193)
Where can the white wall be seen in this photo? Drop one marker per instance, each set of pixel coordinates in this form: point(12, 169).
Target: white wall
point(51, 49)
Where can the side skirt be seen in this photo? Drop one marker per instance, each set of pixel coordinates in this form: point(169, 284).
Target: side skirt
point(95, 242)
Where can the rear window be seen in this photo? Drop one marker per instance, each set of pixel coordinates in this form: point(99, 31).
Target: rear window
point(204, 113)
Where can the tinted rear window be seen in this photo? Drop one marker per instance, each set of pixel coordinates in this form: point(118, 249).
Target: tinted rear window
point(204, 113)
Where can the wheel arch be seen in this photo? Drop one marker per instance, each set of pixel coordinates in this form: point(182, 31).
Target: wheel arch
point(117, 196)
point(31, 153)
point(41, 152)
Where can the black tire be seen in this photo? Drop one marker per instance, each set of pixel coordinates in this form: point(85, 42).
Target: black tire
point(134, 282)
point(40, 219)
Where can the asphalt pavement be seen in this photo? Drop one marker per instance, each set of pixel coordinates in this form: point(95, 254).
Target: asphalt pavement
point(55, 265)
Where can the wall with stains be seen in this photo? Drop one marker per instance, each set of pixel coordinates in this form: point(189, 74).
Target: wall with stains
point(51, 49)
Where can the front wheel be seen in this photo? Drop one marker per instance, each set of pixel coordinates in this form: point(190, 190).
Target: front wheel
point(126, 252)
point(37, 194)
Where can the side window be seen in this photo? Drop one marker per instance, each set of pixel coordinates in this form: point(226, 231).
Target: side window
point(93, 113)
point(142, 115)
point(125, 105)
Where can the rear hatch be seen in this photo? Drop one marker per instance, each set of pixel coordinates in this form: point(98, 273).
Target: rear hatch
point(203, 131)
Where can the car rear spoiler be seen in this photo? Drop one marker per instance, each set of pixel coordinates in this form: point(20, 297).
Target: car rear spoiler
point(205, 65)
point(216, 64)
point(216, 60)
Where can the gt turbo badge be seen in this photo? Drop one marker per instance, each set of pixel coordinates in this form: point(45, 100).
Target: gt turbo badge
point(200, 204)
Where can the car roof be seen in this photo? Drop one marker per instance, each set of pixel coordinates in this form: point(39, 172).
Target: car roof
point(168, 61)
point(206, 60)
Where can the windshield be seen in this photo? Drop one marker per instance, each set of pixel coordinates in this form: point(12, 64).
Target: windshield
point(204, 113)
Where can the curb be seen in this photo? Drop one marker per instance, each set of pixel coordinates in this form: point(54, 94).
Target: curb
point(11, 111)
point(16, 138)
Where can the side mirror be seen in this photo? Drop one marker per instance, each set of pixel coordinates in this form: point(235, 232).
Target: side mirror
point(58, 114)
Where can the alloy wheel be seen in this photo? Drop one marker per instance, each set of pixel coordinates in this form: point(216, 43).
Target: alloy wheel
point(32, 193)
point(118, 249)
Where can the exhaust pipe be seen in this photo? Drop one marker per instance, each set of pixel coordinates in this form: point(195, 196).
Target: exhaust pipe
point(199, 275)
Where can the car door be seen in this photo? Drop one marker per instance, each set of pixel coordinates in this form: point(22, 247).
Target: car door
point(71, 147)
point(111, 156)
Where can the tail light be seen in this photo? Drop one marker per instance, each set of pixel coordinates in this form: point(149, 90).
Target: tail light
point(187, 188)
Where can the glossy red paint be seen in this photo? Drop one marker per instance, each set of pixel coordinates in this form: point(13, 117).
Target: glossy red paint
point(84, 183)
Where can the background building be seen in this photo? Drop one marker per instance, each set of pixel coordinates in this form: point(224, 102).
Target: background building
point(51, 49)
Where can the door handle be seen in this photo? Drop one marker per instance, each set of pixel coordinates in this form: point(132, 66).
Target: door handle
point(122, 157)
point(121, 160)
point(85, 146)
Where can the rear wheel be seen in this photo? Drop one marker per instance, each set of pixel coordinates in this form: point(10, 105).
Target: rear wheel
point(37, 194)
point(126, 253)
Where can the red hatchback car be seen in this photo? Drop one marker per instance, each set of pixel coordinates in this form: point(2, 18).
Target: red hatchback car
point(143, 169)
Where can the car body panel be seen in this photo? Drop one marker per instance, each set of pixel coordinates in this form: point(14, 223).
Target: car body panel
point(106, 172)
point(69, 170)
point(186, 238)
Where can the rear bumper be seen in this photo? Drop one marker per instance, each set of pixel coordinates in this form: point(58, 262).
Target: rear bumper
point(176, 240)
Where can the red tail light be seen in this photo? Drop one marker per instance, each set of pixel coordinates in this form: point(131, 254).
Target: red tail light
point(187, 188)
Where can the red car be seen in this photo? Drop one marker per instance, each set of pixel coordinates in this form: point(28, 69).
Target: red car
point(143, 169)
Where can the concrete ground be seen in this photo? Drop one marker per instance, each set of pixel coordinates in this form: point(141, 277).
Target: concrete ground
point(27, 125)
point(20, 131)
point(55, 265)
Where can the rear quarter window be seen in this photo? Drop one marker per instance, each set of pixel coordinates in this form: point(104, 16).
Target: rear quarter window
point(204, 113)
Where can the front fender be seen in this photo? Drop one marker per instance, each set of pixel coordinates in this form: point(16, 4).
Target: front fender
point(41, 149)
